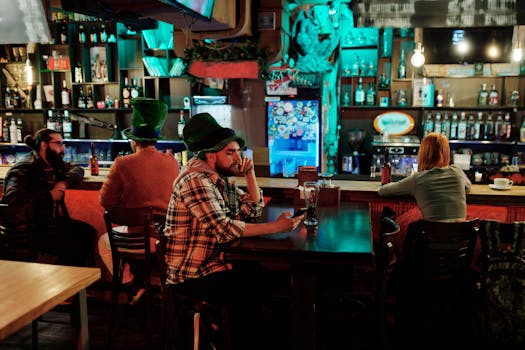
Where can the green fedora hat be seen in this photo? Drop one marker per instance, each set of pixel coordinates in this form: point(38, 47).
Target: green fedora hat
point(147, 119)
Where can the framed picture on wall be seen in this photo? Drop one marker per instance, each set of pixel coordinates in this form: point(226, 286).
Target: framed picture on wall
point(98, 64)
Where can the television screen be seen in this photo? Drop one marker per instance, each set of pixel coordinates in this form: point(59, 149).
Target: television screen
point(202, 9)
point(467, 45)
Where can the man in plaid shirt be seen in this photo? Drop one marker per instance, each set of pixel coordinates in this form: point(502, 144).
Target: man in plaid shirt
point(206, 211)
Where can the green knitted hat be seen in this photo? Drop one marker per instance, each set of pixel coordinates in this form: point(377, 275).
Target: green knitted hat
point(202, 133)
point(147, 119)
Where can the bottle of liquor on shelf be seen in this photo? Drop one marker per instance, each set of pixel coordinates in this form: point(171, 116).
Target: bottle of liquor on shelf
point(19, 127)
point(63, 34)
point(386, 169)
point(182, 123)
point(479, 127)
point(78, 73)
point(493, 98)
point(483, 96)
point(445, 126)
point(438, 123)
point(462, 127)
point(522, 131)
point(498, 128)
point(65, 96)
point(90, 103)
point(12, 131)
point(81, 99)
point(93, 161)
point(50, 124)
point(38, 100)
point(5, 127)
point(507, 128)
point(67, 126)
point(134, 89)
point(94, 35)
point(126, 94)
point(489, 129)
point(470, 127)
point(9, 99)
point(454, 127)
point(402, 68)
point(359, 95)
point(370, 98)
point(103, 33)
point(428, 127)
point(439, 98)
point(58, 122)
point(81, 34)
point(17, 99)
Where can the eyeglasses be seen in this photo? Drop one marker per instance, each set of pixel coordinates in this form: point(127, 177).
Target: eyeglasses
point(59, 143)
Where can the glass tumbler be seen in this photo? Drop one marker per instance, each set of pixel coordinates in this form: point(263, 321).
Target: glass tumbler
point(311, 195)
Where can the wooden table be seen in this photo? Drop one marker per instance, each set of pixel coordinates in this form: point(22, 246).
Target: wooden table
point(29, 290)
point(343, 238)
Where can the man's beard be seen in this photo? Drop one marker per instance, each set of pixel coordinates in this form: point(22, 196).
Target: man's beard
point(55, 159)
point(228, 171)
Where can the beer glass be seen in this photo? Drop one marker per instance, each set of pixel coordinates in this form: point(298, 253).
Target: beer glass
point(311, 195)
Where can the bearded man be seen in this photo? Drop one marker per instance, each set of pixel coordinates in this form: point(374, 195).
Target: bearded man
point(35, 188)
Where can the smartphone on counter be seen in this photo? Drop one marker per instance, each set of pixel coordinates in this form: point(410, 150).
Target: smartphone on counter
point(299, 212)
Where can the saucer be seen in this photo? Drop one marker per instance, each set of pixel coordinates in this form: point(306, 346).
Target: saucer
point(494, 187)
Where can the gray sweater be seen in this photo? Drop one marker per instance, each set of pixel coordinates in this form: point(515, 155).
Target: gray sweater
point(440, 192)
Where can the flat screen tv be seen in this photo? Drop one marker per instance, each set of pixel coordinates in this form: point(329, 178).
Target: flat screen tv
point(202, 9)
point(441, 44)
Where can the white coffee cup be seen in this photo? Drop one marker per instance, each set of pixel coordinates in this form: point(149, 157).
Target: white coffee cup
point(502, 182)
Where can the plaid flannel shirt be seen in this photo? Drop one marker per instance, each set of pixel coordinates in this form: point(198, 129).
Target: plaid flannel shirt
point(205, 211)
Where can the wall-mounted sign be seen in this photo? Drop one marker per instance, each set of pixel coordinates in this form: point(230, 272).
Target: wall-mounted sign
point(394, 123)
point(266, 20)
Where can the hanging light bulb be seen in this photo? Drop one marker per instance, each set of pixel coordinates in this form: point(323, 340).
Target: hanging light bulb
point(517, 53)
point(418, 58)
point(29, 72)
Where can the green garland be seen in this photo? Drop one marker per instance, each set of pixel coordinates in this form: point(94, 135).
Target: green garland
point(229, 51)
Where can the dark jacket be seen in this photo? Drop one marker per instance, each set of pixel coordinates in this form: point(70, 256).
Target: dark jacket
point(28, 184)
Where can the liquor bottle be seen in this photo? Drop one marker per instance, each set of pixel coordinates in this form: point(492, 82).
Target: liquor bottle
point(5, 128)
point(428, 127)
point(489, 129)
point(19, 127)
point(359, 95)
point(402, 68)
point(507, 128)
point(479, 129)
point(454, 127)
point(78, 73)
point(81, 99)
point(498, 128)
point(438, 123)
point(50, 120)
point(65, 96)
point(89, 99)
point(483, 95)
point(9, 99)
point(493, 96)
point(370, 95)
point(126, 93)
point(445, 126)
point(67, 126)
point(12, 131)
point(103, 34)
point(93, 36)
point(134, 88)
point(470, 127)
point(386, 169)
point(63, 34)
point(522, 131)
point(17, 99)
point(58, 122)
point(93, 161)
point(439, 98)
point(38, 100)
point(462, 127)
point(181, 124)
point(81, 34)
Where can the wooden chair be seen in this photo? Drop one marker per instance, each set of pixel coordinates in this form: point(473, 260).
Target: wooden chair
point(129, 231)
point(435, 286)
point(178, 306)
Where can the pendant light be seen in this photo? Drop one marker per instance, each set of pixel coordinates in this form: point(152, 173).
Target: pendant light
point(418, 58)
